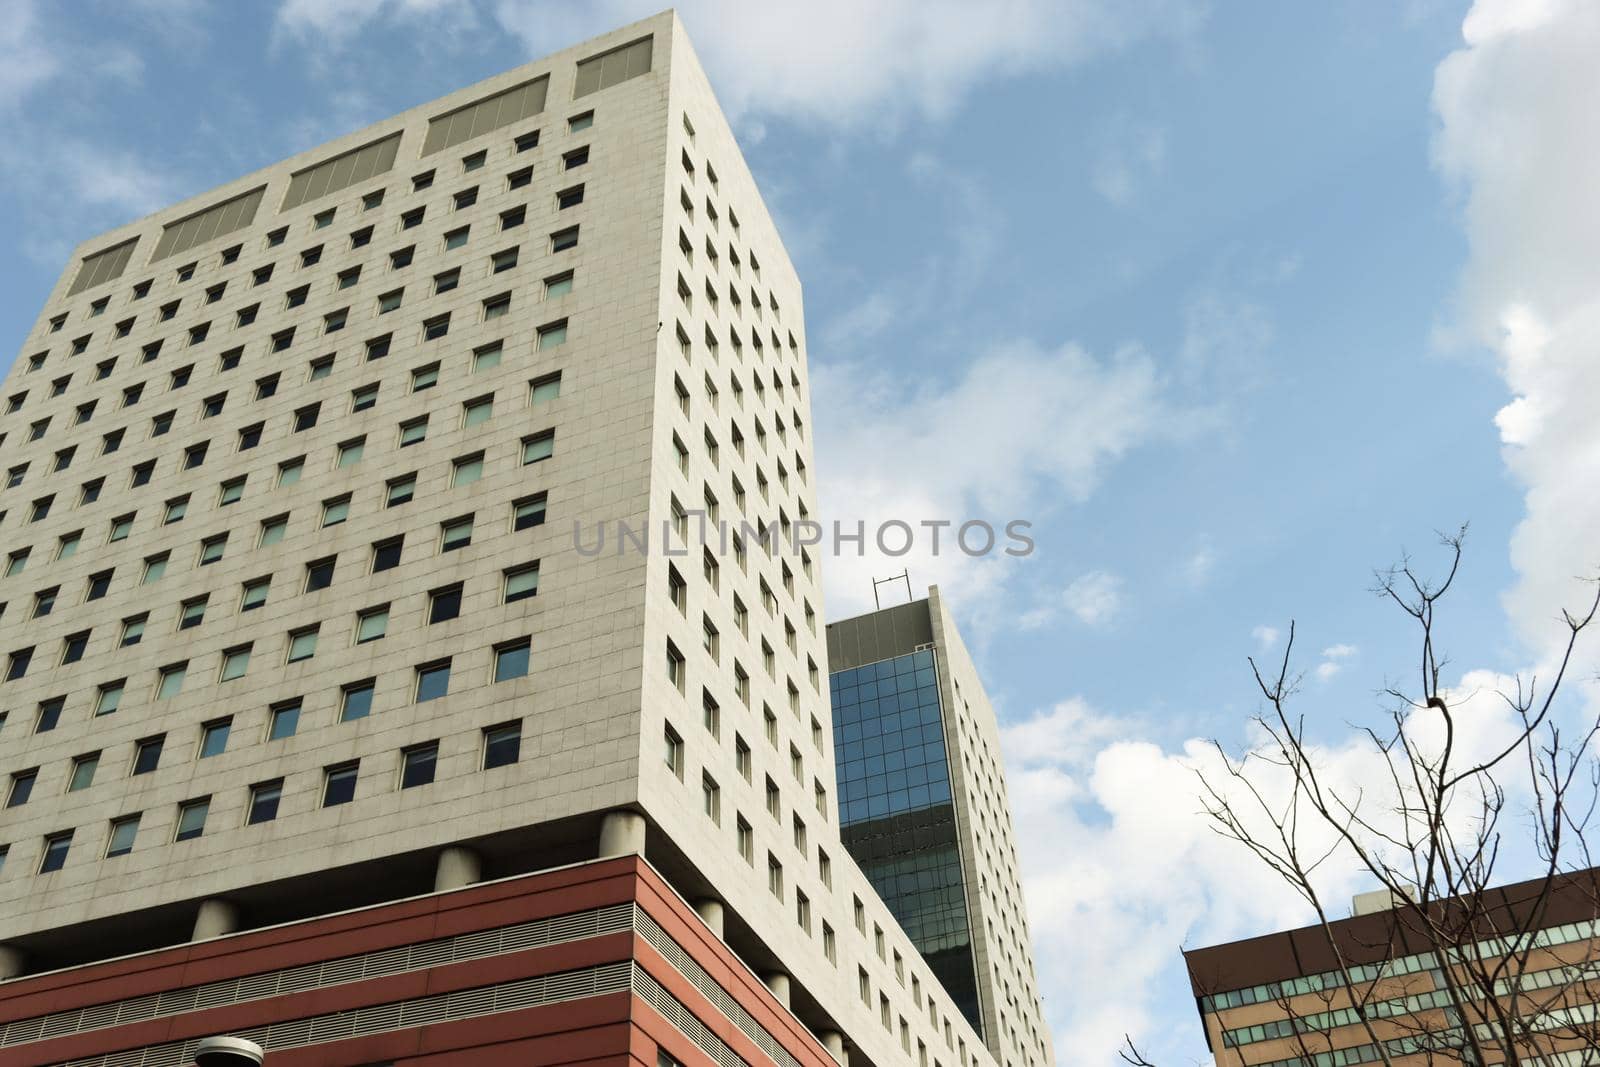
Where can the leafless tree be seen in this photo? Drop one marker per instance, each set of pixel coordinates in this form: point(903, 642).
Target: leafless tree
point(1451, 809)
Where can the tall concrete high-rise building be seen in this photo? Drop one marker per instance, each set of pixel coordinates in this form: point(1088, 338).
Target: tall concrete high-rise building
point(405, 656)
point(923, 810)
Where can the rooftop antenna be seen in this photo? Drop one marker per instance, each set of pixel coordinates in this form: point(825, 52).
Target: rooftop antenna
point(903, 576)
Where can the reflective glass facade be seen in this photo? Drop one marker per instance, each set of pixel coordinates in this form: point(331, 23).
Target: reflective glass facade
point(895, 809)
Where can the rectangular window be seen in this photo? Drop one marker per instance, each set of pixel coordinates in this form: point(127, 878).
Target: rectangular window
point(444, 604)
point(486, 358)
point(558, 285)
point(417, 764)
point(214, 738)
point(545, 389)
point(339, 784)
point(356, 701)
point(511, 661)
point(83, 768)
point(745, 837)
point(401, 490)
point(711, 798)
point(283, 720)
point(171, 681)
point(455, 534)
point(147, 754)
point(372, 624)
point(123, 832)
point(503, 261)
point(56, 847)
point(539, 447)
point(264, 798)
point(386, 554)
point(436, 327)
point(476, 412)
point(502, 745)
point(433, 681)
point(235, 662)
point(562, 240)
point(521, 582)
point(192, 818)
point(672, 751)
point(528, 512)
point(496, 306)
point(553, 334)
point(302, 644)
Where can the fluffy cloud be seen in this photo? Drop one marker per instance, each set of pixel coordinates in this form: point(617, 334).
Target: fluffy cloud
point(1333, 661)
point(1094, 598)
point(1515, 108)
point(1021, 425)
point(1134, 869)
point(1129, 156)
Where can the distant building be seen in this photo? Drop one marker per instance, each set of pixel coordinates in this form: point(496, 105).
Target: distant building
point(1281, 1000)
point(923, 809)
point(321, 722)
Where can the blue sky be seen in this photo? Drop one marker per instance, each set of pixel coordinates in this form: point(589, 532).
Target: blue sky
point(1234, 302)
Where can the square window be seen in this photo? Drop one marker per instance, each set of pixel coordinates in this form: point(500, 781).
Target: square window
point(528, 512)
point(562, 240)
point(502, 745)
point(496, 307)
point(356, 701)
point(364, 398)
point(466, 198)
point(302, 645)
point(311, 256)
point(192, 614)
point(545, 389)
point(264, 798)
point(539, 447)
point(433, 681)
point(443, 283)
point(378, 347)
point(255, 594)
point(527, 141)
point(250, 436)
point(575, 158)
point(580, 122)
point(192, 818)
point(456, 238)
point(99, 585)
point(123, 832)
point(386, 554)
point(283, 720)
point(21, 788)
point(511, 661)
point(425, 378)
point(474, 161)
point(558, 285)
point(56, 847)
point(455, 534)
point(503, 260)
point(521, 582)
point(487, 357)
point(414, 431)
point(335, 511)
point(466, 470)
point(417, 764)
point(235, 662)
point(306, 417)
point(435, 328)
point(422, 181)
point(519, 179)
point(444, 604)
point(214, 738)
point(553, 334)
point(266, 387)
point(372, 624)
point(512, 218)
point(231, 492)
point(155, 568)
point(319, 574)
point(571, 197)
point(401, 490)
point(372, 200)
point(477, 412)
point(212, 548)
point(323, 219)
point(350, 453)
point(147, 755)
point(83, 768)
point(289, 471)
point(171, 681)
point(361, 238)
point(339, 784)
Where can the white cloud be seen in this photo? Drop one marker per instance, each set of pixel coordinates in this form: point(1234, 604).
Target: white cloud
point(1516, 136)
point(331, 23)
point(26, 60)
point(1333, 660)
point(1266, 636)
point(1197, 569)
point(1110, 817)
point(1094, 598)
point(1022, 430)
point(840, 63)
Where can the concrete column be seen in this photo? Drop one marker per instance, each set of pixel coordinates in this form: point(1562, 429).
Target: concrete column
point(778, 982)
point(833, 1041)
point(456, 867)
point(215, 918)
point(11, 962)
point(621, 834)
point(710, 911)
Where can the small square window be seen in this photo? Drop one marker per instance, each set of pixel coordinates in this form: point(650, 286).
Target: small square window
point(339, 784)
point(378, 347)
point(545, 389)
point(414, 431)
point(170, 683)
point(553, 334)
point(466, 198)
point(212, 548)
point(264, 798)
point(289, 471)
point(334, 321)
point(571, 197)
point(147, 754)
point(575, 158)
point(466, 470)
point(528, 512)
point(295, 297)
point(580, 122)
point(444, 604)
point(250, 436)
point(335, 511)
point(487, 357)
point(192, 614)
point(401, 490)
point(456, 238)
point(443, 283)
point(56, 847)
point(477, 412)
point(425, 377)
point(503, 260)
point(355, 701)
point(276, 237)
point(539, 447)
point(512, 218)
point(350, 453)
point(519, 179)
point(435, 328)
point(255, 594)
point(123, 832)
point(364, 398)
point(386, 554)
point(273, 530)
point(521, 583)
point(417, 764)
point(455, 534)
point(231, 492)
point(433, 681)
point(319, 574)
point(283, 720)
point(266, 387)
point(311, 256)
point(306, 418)
point(562, 240)
point(372, 200)
point(402, 258)
point(323, 219)
point(235, 662)
point(502, 745)
point(511, 661)
point(302, 645)
point(192, 819)
point(475, 161)
point(496, 307)
point(390, 301)
point(558, 285)
point(361, 238)
point(372, 624)
point(349, 278)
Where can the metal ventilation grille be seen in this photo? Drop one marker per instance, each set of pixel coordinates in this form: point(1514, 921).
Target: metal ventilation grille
point(674, 1012)
point(102, 267)
point(403, 1015)
point(663, 943)
point(404, 958)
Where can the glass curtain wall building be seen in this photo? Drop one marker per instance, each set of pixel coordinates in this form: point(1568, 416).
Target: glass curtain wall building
point(923, 811)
